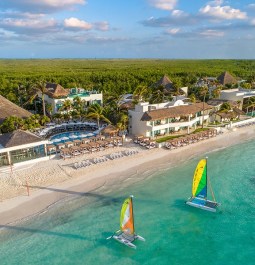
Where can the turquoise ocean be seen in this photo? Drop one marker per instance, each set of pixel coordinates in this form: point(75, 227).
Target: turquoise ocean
point(74, 231)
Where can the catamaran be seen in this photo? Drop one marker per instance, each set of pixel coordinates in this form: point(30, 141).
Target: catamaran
point(126, 235)
point(199, 189)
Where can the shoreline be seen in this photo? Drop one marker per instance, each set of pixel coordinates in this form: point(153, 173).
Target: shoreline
point(101, 178)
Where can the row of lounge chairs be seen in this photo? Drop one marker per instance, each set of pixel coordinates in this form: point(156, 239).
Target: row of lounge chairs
point(145, 141)
point(130, 152)
point(89, 147)
point(245, 124)
point(190, 139)
point(116, 155)
point(100, 159)
point(86, 163)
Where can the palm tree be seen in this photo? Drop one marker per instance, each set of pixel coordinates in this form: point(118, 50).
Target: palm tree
point(67, 105)
point(141, 93)
point(202, 92)
point(122, 123)
point(78, 103)
point(216, 92)
point(192, 98)
point(40, 87)
point(96, 112)
point(250, 104)
point(225, 107)
point(177, 87)
point(158, 95)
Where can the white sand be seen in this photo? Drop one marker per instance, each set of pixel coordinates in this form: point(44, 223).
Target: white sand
point(52, 180)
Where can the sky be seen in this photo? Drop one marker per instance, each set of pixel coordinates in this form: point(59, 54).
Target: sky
point(164, 29)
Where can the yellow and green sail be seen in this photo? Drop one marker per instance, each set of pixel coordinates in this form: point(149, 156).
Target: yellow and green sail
point(126, 217)
point(199, 187)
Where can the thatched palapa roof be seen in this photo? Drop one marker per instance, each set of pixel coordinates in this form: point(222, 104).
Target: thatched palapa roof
point(226, 78)
point(56, 90)
point(7, 108)
point(173, 112)
point(165, 82)
point(110, 129)
point(18, 137)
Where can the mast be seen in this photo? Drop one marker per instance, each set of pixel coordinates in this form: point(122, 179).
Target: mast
point(131, 198)
point(206, 177)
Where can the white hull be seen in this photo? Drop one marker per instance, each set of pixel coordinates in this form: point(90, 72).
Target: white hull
point(211, 207)
point(127, 240)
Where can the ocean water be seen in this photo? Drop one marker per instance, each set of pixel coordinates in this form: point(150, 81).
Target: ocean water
point(74, 231)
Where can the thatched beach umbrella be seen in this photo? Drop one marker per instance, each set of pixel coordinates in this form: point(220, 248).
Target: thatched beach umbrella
point(110, 130)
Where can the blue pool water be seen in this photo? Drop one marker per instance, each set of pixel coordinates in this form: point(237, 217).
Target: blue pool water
point(69, 136)
point(74, 231)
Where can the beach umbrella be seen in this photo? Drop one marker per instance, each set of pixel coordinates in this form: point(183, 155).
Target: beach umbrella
point(84, 135)
point(56, 140)
point(73, 136)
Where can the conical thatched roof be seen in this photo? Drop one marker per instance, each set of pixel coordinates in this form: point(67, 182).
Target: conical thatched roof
point(18, 137)
point(226, 78)
point(165, 82)
point(110, 129)
point(7, 108)
point(56, 90)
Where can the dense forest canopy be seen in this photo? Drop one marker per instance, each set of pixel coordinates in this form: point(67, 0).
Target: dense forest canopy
point(20, 80)
point(116, 76)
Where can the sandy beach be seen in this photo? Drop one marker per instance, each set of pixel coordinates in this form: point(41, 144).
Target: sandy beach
point(52, 180)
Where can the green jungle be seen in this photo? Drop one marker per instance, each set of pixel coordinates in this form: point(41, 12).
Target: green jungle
point(21, 78)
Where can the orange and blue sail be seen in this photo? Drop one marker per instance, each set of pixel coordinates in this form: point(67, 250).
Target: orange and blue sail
point(126, 217)
point(199, 187)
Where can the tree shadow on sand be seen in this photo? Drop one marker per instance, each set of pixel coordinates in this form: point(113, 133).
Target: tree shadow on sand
point(44, 232)
point(106, 200)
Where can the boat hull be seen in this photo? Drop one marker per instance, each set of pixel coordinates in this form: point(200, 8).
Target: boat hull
point(203, 204)
point(127, 239)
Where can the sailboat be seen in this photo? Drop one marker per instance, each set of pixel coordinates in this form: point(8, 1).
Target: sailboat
point(126, 235)
point(199, 189)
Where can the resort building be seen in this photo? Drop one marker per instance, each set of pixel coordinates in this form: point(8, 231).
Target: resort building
point(7, 109)
point(237, 94)
point(56, 96)
point(20, 146)
point(151, 120)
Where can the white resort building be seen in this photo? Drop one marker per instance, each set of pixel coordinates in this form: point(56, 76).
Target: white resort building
point(56, 95)
point(20, 146)
point(237, 94)
point(151, 120)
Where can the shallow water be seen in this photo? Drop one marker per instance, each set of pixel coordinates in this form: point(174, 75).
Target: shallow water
point(75, 230)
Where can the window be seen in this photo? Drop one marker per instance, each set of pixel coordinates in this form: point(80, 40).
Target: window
point(3, 159)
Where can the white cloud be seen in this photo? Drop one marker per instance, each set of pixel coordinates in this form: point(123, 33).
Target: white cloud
point(222, 12)
point(251, 6)
point(77, 24)
point(253, 22)
point(57, 3)
point(163, 4)
point(216, 2)
point(177, 13)
point(40, 6)
point(27, 23)
point(173, 31)
point(103, 25)
point(212, 33)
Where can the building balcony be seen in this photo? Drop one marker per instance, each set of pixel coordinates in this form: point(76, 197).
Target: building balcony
point(178, 123)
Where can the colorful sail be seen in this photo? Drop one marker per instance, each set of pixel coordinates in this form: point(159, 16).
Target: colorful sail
point(199, 188)
point(126, 217)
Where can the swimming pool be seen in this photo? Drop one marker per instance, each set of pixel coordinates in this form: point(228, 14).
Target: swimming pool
point(70, 136)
